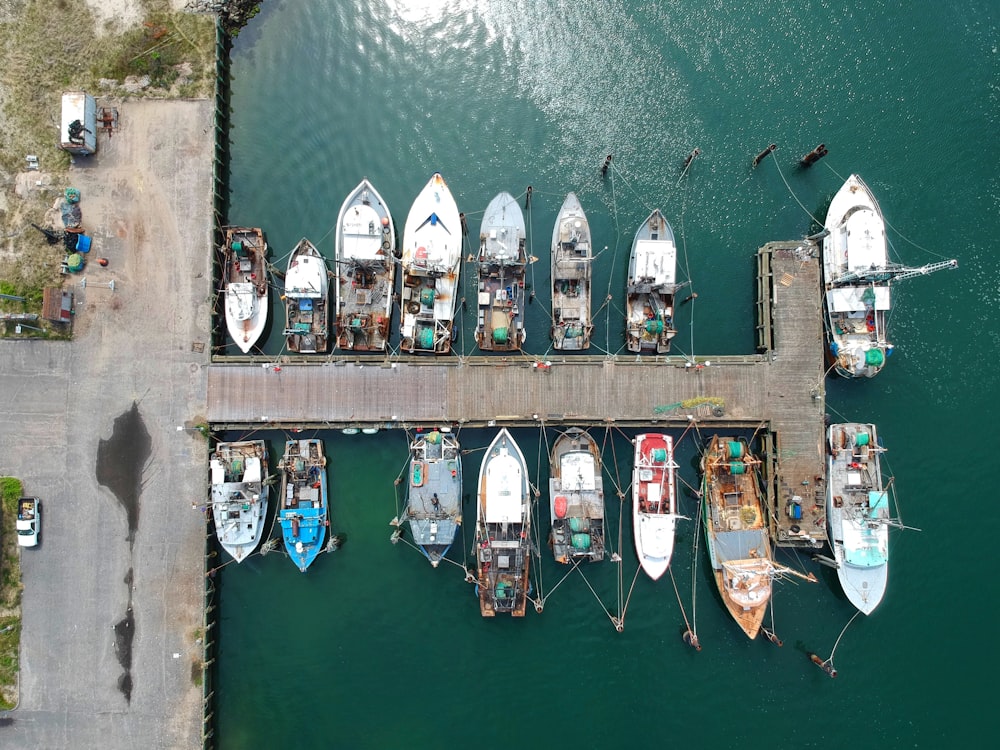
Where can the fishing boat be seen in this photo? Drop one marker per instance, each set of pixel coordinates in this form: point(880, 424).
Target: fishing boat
point(571, 269)
point(503, 526)
point(432, 252)
point(434, 498)
point(501, 263)
point(735, 531)
point(857, 279)
point(307, 289)
point(654, 502)
point(739, 546)
point(652, 284)
point(366, 270)
point(576, 497)
point(857, 513)
point(304, 513)
point(244, 272)
point(239, 495)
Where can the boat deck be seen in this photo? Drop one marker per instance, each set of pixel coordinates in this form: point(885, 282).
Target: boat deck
point(779, 389)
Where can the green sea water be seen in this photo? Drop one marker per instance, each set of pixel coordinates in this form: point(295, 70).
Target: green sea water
point(374, 649)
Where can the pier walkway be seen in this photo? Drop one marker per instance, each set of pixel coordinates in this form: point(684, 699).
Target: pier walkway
point(779, 389)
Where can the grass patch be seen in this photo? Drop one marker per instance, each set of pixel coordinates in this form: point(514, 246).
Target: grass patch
point(10, 591)
point(10, 647)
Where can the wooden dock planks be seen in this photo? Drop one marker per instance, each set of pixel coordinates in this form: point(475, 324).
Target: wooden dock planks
point(781, 387)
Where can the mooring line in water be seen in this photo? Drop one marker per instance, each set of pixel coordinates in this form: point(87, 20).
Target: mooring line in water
point(621, 622)
point(690, 636)
point(614, 620)
point(687, 264)
point(792, 193)
point(827, 664)
point(694, 566)
point(640, 198)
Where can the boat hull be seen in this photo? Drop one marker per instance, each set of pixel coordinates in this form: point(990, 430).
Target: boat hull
point(244, 271)
point(856, 310)
point(576, 499)
point(500, 266)
point(735, 531)
point(654, 502)
point(503, 529)
point(431, 256)
point(240, 493)
point(857, 513)
point(434, 496)
point(307, 292)
point(366, 271)
point(652, 284)
point(304, 509)
point(572, 258)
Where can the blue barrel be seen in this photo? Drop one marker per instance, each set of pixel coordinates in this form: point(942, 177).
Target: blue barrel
point(83, 243)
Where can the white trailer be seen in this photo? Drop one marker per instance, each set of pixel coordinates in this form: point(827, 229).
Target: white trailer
point(78, 130)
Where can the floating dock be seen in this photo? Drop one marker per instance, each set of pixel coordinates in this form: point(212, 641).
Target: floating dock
point(779, 391)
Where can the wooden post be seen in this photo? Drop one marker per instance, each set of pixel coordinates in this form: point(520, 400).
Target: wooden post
point(759, 157)
point(814, 156)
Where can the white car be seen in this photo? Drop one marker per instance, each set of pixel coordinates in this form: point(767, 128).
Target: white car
point(29, 521)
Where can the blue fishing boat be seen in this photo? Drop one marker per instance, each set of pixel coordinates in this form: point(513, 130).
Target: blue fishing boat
point(304, 513)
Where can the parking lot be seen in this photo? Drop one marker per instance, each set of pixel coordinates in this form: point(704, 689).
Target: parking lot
point(112, 595)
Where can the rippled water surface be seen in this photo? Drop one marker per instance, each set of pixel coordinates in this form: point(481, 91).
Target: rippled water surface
point(373, 648)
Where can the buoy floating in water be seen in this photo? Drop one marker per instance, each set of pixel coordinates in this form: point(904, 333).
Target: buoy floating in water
point(826, 666)
point(607, 163)
point(692, 640)
point(690, 158)
point(759, 157)
point(814, 156)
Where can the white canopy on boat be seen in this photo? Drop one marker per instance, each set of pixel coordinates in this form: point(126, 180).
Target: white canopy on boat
point(578, 472)
point(851, 298)
point(362, 234)
point(656, 260)
point(865, 240)
point(504, 501)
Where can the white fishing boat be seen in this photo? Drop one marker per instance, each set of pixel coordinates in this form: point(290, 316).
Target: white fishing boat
point(244, 273)
point(431, 255)
point(857, 280)
point(500, 264)
point(366, 270)
point(576, 497)
point(239, 495)
point(307, 291)
point(571, 271)
point(503, 529)
point(857, 513)
point(654, 502)
point(652, 284)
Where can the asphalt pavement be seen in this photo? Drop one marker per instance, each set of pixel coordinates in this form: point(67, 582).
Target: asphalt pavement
point(112, 595)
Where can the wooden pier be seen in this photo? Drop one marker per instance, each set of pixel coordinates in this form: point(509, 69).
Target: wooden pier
point(778, 390)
